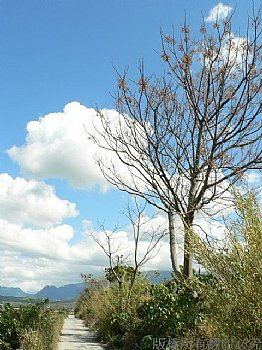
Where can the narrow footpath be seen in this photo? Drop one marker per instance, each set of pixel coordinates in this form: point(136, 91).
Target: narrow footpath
point(75, 336)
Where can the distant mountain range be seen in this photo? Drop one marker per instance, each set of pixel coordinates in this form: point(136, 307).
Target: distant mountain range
point(69, 291)
point(12, 292)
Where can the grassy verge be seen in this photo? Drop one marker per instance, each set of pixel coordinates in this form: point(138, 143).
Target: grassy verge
point(31, 327)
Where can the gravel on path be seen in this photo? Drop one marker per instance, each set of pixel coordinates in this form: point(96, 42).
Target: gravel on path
point(75, 336)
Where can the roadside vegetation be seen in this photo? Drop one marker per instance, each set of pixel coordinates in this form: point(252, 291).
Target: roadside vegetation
point(31, 327)
point(224, 303)
point(233, 298)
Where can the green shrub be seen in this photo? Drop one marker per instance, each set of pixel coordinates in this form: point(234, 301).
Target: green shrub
point(10, 326)
point(46, 336)
point(174, 310)
point(4, 345)
point(33, 327)
point(224, 304)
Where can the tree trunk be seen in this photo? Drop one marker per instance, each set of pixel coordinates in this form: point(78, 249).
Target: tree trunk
point(188, 253)
point(172, 243)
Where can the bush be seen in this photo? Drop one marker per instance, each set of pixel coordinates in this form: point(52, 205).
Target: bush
point(33, 327)
point(47, 334)
point(112, 312)
point(173, 310)
point(10, 326)
point(4, 345)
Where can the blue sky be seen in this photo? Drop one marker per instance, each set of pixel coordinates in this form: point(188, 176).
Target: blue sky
point(53, 53)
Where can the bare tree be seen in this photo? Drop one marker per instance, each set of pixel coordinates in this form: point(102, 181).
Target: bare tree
point(185, 137)
point(143, 230)
point(146, 236)
point(111, 249)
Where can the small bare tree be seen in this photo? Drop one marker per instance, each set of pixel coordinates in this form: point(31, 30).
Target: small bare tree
point(146, 236)
point(144, 230)
point(112, 248)
point(184, 138)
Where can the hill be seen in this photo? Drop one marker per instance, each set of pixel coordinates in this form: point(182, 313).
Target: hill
point(69, 291)
point(13, 292)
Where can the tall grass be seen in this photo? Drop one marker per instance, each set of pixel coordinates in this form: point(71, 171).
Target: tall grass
point(234, 298)
point(31, 327)
point(112, 312)
point(47, 334)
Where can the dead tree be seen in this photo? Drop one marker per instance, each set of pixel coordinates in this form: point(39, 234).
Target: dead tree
point(182, 139)
point(108, 242)
point(142, 229)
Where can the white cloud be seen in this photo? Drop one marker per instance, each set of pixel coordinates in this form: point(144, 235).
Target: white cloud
point(218, 12)
point(33, 258)
point(32, 202)
point(253, 178)
point(234, 50)
point(50, 243)
point(57, 146)
point(33, 273)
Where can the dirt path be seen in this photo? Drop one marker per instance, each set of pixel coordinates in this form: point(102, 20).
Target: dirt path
point(76, 336)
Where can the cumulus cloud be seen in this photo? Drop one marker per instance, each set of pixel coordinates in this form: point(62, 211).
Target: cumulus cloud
point(57, 146)
point(219, 12)
point(32, 202)
point(33, 273)
point(234, 50)
point(50, 243)
point(233, 53)
point(32, 258)
point(254, 178)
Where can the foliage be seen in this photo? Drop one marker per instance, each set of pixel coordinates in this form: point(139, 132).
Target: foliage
point(32, 327)
point(151, 311)
point(224, 304)
point(4, 345)
point(120, 272)
point(234, 298)
point(112, 312)
point(172, 311)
